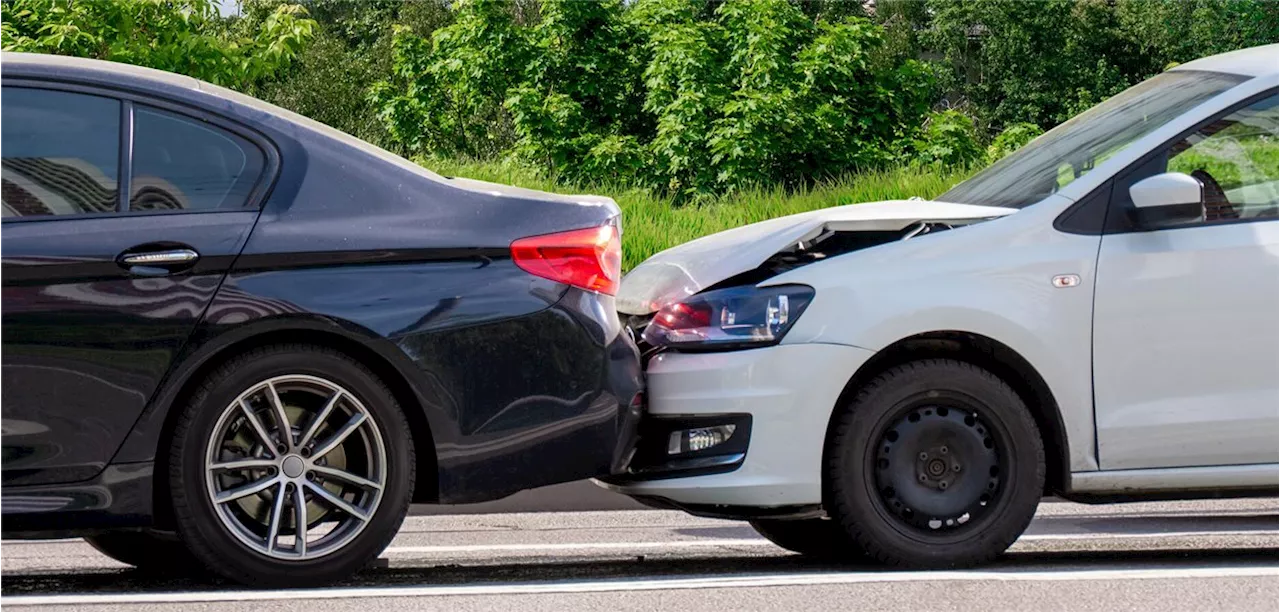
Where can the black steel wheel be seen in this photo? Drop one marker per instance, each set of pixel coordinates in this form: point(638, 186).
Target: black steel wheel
point(935, 463)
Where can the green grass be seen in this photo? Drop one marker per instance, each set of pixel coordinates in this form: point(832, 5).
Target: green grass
point(652, 224)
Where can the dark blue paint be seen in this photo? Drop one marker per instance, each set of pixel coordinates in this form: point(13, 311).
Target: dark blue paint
point(517, 381)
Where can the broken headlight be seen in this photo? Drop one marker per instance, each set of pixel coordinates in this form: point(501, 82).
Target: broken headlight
point(737, 317)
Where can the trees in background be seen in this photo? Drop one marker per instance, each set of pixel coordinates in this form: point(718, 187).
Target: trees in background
point(689, 97)
point(184, 36)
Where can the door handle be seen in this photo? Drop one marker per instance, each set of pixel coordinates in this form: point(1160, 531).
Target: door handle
point(159, 262)
point(161, 258)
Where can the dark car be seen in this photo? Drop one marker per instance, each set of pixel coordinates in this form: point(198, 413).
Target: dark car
point(237, 338)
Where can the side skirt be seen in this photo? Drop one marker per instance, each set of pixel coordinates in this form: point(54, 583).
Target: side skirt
point(1156, 484)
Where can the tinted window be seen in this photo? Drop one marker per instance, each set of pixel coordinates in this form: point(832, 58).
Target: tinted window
point(60, 151)
point(182, 163)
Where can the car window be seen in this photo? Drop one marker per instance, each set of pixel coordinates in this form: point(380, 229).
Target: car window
point(60, 151)
point(1237, 158)
point(181, 163)
point(1067, 152)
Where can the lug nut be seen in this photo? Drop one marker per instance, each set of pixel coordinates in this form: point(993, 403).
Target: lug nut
point(955, 468)
point(942, 485)
point(924, 456)
point(943, 450)
point(923, 478)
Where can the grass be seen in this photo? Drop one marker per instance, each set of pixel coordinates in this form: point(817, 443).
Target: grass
point(652, 223)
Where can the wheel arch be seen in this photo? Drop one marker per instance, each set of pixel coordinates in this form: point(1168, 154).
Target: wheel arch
point(995, 357)
point(426, 486)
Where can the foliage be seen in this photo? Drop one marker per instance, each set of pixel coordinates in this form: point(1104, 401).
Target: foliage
point(351, 51)
point(949, 139)
point(1011, 139)
point(183, 36)
point(683, 96)
point(446, 95)
point(1045, 61)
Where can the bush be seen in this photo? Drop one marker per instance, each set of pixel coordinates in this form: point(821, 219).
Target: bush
point(683, 96)
point(1012, 139)
point(949, 139)
point(183, 36)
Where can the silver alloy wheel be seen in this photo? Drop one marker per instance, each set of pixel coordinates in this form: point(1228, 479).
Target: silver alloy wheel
point(295, 467)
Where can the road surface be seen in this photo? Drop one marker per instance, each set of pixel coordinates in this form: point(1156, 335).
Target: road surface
point(1214, 555)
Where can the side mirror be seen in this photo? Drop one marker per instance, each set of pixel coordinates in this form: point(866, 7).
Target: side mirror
point(1172, 198)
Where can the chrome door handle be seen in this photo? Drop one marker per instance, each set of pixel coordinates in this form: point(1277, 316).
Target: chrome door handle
point(161, 258)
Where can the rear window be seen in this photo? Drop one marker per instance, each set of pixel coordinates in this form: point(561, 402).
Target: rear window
point(181, 163)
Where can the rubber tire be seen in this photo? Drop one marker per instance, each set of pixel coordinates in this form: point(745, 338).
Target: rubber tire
point(199, 526)
point(818, 538)
point(147, 552)
point(851, 496)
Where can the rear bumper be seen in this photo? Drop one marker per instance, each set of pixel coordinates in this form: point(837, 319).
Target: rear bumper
point(788, 393)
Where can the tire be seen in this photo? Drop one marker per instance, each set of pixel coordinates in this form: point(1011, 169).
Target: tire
point(818, 538)
point(320, 393)
point(935, 464)
point(147, 551)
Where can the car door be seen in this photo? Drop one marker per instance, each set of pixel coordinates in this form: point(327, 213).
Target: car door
point(121, 217)
point(1185, 317)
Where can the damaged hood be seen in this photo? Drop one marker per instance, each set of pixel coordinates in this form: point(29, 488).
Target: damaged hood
point(684, 270)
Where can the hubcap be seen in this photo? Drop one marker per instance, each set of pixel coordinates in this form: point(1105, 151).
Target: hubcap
point(295, 467)
point(937, 468)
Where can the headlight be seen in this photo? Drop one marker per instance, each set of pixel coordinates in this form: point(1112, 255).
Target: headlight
point(738, 317)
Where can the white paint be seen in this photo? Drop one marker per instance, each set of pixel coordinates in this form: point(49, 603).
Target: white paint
point(645, 584)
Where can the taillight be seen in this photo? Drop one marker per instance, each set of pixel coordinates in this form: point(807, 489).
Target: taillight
point(588, 258)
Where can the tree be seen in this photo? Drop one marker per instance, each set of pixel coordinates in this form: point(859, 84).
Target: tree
point(183, 36)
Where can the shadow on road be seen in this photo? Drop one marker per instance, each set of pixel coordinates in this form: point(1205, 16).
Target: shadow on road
point(134, 581)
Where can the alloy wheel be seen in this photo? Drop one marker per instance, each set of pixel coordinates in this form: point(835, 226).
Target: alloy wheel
point(295, 467)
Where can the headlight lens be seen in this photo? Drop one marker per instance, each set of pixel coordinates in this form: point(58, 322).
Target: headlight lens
point(737, 317)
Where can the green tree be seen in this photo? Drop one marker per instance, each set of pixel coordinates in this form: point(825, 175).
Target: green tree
point(183, 36)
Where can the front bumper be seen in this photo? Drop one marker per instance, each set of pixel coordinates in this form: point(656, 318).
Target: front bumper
point(786, 393)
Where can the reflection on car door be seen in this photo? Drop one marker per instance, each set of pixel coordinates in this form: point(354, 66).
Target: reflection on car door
point(100, 291)
point(1185, 318)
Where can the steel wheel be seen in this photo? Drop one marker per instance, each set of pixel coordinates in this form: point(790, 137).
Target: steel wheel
point(295, 467)
point(935, 463)
point(938, 467)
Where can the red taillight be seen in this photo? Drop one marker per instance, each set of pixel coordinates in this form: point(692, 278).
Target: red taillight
point(588, 258)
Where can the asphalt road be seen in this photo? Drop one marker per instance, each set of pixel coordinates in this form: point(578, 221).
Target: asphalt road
point(1219, 555)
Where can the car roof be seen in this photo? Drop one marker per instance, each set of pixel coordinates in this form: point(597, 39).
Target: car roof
point(1252, 62)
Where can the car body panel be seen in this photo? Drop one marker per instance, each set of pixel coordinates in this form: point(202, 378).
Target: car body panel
point(86, 343)
point(1202, 302)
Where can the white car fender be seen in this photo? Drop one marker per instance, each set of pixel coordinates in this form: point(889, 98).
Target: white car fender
point(956, 281)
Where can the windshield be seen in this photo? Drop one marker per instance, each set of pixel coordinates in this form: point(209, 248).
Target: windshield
point(1067, 152)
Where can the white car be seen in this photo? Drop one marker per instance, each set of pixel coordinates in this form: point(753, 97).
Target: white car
point(1092, 317)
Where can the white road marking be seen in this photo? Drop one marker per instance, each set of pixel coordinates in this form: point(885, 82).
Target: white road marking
point(676, 544)
point(645, 584)
point(685, 544)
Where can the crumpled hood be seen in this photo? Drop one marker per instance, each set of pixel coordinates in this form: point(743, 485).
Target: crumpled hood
point(686, 269)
